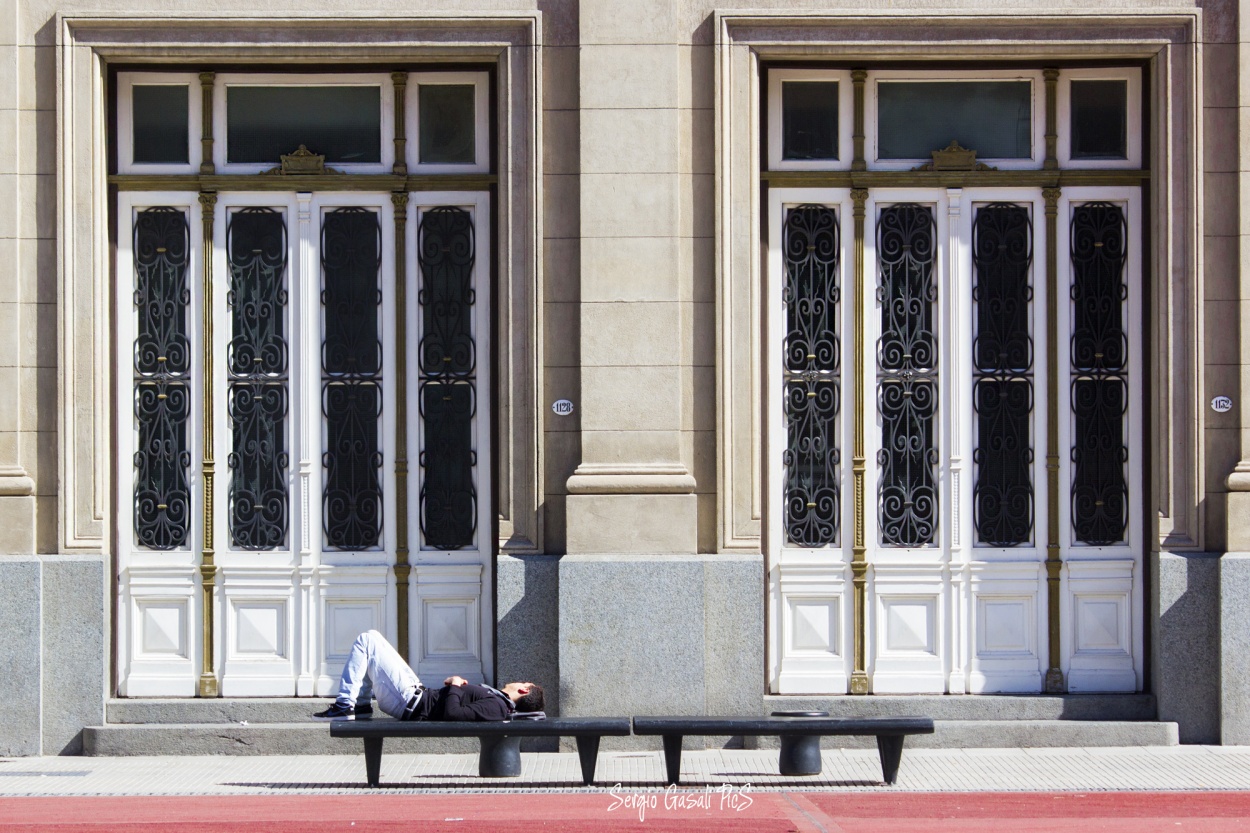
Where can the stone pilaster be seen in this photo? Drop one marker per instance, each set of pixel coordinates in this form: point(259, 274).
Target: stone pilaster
point(634, 490)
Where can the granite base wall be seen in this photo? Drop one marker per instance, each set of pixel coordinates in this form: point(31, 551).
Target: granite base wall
point(1234, 704)
point(661, 634)
point(21, 589)
point(527, 629)
point(1185, 645)
point(52, 656)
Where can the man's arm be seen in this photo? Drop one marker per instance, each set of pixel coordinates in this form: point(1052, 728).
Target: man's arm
point(464, 701)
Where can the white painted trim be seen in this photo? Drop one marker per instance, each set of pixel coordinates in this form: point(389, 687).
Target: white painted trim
point(846, 113)
point(798, 573)
point(899, 670)
point(451, 586)
point(154, 576)
point(126, 82)
point(368, 590)
point(1122, 561)
point(412, 119)
point(1007, 669)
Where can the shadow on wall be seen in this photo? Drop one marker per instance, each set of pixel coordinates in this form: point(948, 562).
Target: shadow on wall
point(527, 630)
point(1186, 669)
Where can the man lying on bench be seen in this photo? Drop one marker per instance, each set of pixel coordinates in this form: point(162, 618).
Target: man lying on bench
point(375, 669)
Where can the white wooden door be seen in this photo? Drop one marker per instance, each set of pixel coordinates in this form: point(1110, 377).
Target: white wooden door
point(953, 400)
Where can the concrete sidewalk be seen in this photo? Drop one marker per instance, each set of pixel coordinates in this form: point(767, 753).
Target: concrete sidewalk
point(1190, 768)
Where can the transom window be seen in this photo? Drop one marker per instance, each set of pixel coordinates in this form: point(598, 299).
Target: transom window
point(909, 114)
point(349, 119)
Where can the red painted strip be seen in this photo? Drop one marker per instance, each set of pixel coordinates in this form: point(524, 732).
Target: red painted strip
point(662, 812)
point(1035, 805)
point(658, 810)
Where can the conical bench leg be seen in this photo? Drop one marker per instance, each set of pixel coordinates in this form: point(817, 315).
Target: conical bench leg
point(672, 758)
point(588, 756)
point(373, 760)
point(891, 749)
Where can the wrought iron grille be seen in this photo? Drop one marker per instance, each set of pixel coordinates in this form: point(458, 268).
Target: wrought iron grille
point(447, 378)
point(162, 366)
point(812, 376)
point(1002, 357)
point(1099, 381)
point(257, 361)
point(351, 377)
point(907, 376)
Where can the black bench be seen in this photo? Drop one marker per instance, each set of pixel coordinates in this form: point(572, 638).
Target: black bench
point(501, 742)
point(800, 737)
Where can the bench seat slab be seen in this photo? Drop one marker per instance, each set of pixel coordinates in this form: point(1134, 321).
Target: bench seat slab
point(800, 737)
point(500, 750)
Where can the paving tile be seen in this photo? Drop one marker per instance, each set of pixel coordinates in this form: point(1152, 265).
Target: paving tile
point(852, 770)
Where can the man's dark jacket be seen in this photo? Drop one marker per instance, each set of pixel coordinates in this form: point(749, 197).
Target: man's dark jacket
point(463, 703)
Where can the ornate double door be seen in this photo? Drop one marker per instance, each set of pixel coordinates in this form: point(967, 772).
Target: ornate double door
point(953, 428)
point(303, 434)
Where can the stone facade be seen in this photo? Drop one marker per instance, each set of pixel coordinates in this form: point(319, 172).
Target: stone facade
point(630, 533)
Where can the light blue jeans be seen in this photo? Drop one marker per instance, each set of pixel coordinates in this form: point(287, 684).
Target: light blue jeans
point(375, 668)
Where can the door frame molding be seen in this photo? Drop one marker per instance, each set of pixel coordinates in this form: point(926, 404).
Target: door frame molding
point(1169, 43)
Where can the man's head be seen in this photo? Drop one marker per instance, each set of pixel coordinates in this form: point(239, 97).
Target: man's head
point(528, 697)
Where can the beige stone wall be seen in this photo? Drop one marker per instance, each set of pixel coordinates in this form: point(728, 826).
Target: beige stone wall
point(647, 473)
point(629, 304)
point(562, 268)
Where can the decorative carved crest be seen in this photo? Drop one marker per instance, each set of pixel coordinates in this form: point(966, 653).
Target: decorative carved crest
point(954, 157)
point(302, 162)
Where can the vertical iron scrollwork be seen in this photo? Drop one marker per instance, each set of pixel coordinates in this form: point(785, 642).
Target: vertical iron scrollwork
point(257, 361)
point(907, 376)
point(1002, 359)
point(447, 378)
point(1099, 383)
point(812, 376)
point(351, 368)
point(162, 367)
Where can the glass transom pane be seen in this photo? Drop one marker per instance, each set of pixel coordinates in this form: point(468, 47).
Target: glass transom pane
point(343, 123)
point(448, 129)
point(915, 118)
point(809, 120)
point(1099, 119)
point(159, 123)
